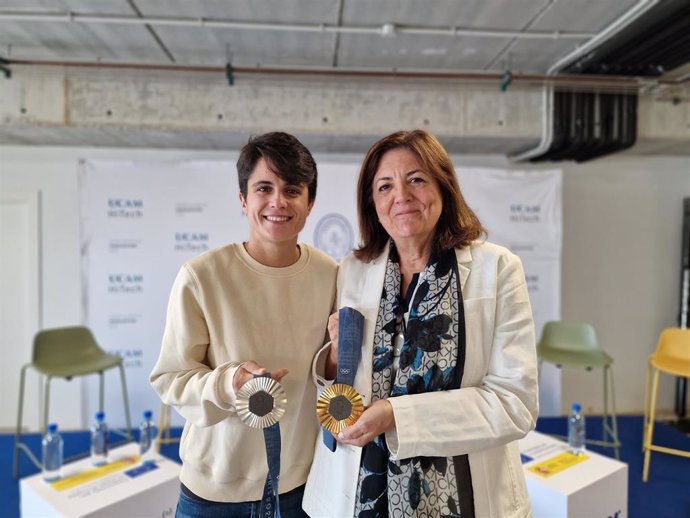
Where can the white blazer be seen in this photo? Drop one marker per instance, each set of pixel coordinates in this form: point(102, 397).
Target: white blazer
point(496, 405)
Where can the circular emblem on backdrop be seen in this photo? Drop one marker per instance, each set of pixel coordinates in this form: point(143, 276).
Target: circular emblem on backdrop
point(334, 235)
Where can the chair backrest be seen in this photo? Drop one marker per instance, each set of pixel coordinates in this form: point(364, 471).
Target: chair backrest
point(65, 346)
point(568, 336)
point(673, 351)
point(566, 343)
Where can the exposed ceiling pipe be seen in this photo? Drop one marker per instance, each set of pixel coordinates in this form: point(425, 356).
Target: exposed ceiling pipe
point(384, 30)
point(626, 19)
point(578, 82)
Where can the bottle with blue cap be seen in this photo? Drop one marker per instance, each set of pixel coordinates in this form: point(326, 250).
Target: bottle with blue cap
point(147, 436)
point(576, 430)
point(52, 450)
point(99, 440)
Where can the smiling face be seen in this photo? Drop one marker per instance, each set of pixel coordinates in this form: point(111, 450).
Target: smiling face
point(277, 210)
point(407, 199)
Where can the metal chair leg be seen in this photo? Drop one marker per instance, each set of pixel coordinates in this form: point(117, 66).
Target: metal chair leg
point(125, 399)
point(650, 427)
point(100, 391)
point(46, 405)
point(17, 435)
point(606, 417)
point(645, 420)
point(614, 417)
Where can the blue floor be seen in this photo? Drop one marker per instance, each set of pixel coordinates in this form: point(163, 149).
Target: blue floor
point(666, 495)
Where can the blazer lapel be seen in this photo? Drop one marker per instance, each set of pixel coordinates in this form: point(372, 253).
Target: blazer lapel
point(464, 256)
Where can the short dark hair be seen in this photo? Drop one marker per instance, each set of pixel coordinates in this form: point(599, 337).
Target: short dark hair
point(286, 156)
point(457, 225)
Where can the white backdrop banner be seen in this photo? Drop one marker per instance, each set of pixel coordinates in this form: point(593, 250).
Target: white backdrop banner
point(522, 211)
point(141, 220)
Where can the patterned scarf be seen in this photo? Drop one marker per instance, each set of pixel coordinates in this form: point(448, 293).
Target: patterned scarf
point(432, 358)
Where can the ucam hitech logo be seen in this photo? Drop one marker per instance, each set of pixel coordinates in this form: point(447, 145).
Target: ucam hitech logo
point(130, 357)
point(129, 283)
point(191, 241)
point(125, 208)
point(532, 282)
point(334, 235)
point(525, 213)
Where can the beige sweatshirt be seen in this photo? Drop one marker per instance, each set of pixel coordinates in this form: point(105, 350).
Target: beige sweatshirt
point(226, 308)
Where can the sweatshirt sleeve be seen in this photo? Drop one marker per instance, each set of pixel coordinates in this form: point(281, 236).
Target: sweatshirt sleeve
point(501, 408)
point(182, 376)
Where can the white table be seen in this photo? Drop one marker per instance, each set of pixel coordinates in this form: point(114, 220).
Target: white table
point(561, 487)
point(123, 487)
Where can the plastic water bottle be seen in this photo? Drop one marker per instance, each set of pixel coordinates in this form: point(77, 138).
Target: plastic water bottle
point(52, 449)
point(576, 430)
point(99, 440)
point(147, 435)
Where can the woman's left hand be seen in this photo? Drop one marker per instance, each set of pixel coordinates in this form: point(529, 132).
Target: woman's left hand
point(375, 420)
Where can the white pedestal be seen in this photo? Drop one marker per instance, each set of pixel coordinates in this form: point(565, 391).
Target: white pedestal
point(130, 490)
point(597, 487)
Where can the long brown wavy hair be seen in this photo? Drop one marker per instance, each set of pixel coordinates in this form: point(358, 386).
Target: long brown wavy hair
point(457, 225)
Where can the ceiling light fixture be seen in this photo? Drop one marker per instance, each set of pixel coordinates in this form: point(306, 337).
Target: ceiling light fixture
point(388, 30)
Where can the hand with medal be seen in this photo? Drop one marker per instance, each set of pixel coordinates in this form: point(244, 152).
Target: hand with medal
point(251, 369)
point(340, 405)
point(375, 420)
point(361, 425)
point(260, 398)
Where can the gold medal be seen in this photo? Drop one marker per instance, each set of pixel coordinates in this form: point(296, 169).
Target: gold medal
point(261, 402)
point(339, 406)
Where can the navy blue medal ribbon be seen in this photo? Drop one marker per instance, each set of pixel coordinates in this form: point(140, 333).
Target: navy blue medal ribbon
point(270, 504)
point(350, 335)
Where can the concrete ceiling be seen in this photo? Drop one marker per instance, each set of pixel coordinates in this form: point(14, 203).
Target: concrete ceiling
point(526, 36)
point(295, 40)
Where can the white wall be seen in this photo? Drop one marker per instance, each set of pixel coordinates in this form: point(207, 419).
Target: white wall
point(621, 254)
point(620, 265)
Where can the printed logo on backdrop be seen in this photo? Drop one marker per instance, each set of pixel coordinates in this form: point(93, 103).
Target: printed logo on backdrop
point(521, 248)
point(189, 209)
point(191, 242)
point(123, 245)
point(532, 280)
point(334, 235)
point(126, 283)
point(132, 358)
point(125, 208)
point(525, 213)
point(117, 321)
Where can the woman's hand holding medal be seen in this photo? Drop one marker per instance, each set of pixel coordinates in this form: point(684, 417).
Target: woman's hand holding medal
point(375, 420)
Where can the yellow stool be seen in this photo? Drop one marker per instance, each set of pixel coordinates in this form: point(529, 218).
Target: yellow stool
point(672, 356)
point(163, 436)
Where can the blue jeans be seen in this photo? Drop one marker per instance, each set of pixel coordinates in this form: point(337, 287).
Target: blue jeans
point(189, 506)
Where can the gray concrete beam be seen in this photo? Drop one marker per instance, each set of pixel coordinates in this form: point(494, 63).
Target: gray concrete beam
point(133, 108)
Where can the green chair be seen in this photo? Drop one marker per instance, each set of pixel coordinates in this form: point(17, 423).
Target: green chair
point(64, 353)
point(576, 345)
